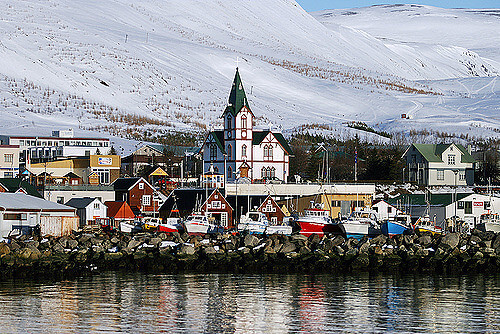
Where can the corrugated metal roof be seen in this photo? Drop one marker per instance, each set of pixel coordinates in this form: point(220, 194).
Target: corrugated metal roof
point(22, 201)
point(80, 203)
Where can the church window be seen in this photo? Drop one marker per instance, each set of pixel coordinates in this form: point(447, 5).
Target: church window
point(268, 152)
point(244, 151)
point(243, 122)
point(229, 172)
point(213, 152)
point(229, 152)
point(229, 122)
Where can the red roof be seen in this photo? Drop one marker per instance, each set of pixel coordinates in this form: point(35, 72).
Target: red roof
point(120, 210)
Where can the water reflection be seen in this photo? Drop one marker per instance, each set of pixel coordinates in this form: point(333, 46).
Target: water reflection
point(137, 303)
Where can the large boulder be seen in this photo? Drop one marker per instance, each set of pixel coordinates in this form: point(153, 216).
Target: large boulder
point(251, 240)
point(186, 249)
point(450, 241)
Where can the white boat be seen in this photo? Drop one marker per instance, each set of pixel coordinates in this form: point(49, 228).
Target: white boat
point(489, 222)
point(253, 222)
point(201, 224)
point(360, 223)
point(129, 227)
point(426, 224)
point(256, 222)
point(279, 229)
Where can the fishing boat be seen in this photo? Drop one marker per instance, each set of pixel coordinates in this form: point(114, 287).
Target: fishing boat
point(425, 224)
point(151, 223)
point(253, 222)
point(317, 221)
point(198, 223)
point(489, 222)
point(360, 223)
point(171, 225)
point(398, 224)
point(129, 227)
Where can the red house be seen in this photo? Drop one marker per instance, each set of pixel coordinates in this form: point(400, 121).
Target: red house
point(272, 210)
point(119, 212)
point(217, 207)
point(138, 193)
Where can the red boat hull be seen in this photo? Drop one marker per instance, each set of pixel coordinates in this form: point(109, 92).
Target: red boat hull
point(308, 228)
point(163, 228)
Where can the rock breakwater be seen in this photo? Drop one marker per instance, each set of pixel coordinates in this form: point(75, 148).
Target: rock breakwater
point(80, 254)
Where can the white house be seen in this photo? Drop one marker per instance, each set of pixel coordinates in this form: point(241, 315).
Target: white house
point(88, 209)
point(23, 212)
point(241, 151)
point(439, 165)
point(385, 210)
point(471, 208)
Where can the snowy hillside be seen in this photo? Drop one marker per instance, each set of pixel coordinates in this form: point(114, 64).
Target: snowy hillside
point(131, 68)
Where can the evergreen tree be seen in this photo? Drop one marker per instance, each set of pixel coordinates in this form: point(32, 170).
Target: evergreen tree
point(112, 150)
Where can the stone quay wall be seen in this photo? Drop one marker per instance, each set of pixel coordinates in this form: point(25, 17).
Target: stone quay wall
point(82, 254)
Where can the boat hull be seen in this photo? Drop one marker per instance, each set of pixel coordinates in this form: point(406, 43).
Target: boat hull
point(488, 227)
point(309, 228)
point(167, 228)
point(281, 229)
point(251, 228)
point(392, 228)
point(200, 228)
point(427, 230)
point(355, 229)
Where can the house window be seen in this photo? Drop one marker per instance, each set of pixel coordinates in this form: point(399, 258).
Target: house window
point(60, 199)
point(460, 205)
point(461, 175)
point(336, 204)
point(103, 175)
point(451, 159)
point(8, 175)
point(216, 204)
point(243, 122)
point(229, 171)
point(141, 186)
point(96, 206)
point(146, 200)
point(213, 152)
point(389, 209)
point(440, 174)
point(244, 151)
point(9, 157)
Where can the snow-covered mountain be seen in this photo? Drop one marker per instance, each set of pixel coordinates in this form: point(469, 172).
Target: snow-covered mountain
point(128, 67)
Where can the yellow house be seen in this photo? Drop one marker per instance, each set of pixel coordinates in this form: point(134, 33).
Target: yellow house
point(106, 167)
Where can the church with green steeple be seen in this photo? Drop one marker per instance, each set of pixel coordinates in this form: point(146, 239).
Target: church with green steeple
point(240, 151)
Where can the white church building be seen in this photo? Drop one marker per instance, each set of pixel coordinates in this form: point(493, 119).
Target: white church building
point(242, 151)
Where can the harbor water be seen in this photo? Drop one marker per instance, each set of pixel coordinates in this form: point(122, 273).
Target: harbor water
point(221, 303)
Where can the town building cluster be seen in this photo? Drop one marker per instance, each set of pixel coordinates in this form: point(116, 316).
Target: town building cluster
point(63, 181)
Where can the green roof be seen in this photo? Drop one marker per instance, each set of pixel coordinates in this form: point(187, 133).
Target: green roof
point(219, 139)
point(258, 137)
point(434, 152)
point(13, 185)
point(419, 199)
point(237, 97)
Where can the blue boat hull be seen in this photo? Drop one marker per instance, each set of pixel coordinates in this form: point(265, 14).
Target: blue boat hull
point(391, 228)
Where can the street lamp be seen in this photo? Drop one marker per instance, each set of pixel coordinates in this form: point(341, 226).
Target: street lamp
point(236, 199)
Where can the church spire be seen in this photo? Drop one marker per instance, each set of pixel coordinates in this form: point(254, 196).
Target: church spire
point(237, 97)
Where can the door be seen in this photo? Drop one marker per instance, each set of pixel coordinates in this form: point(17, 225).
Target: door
point(468, 208)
